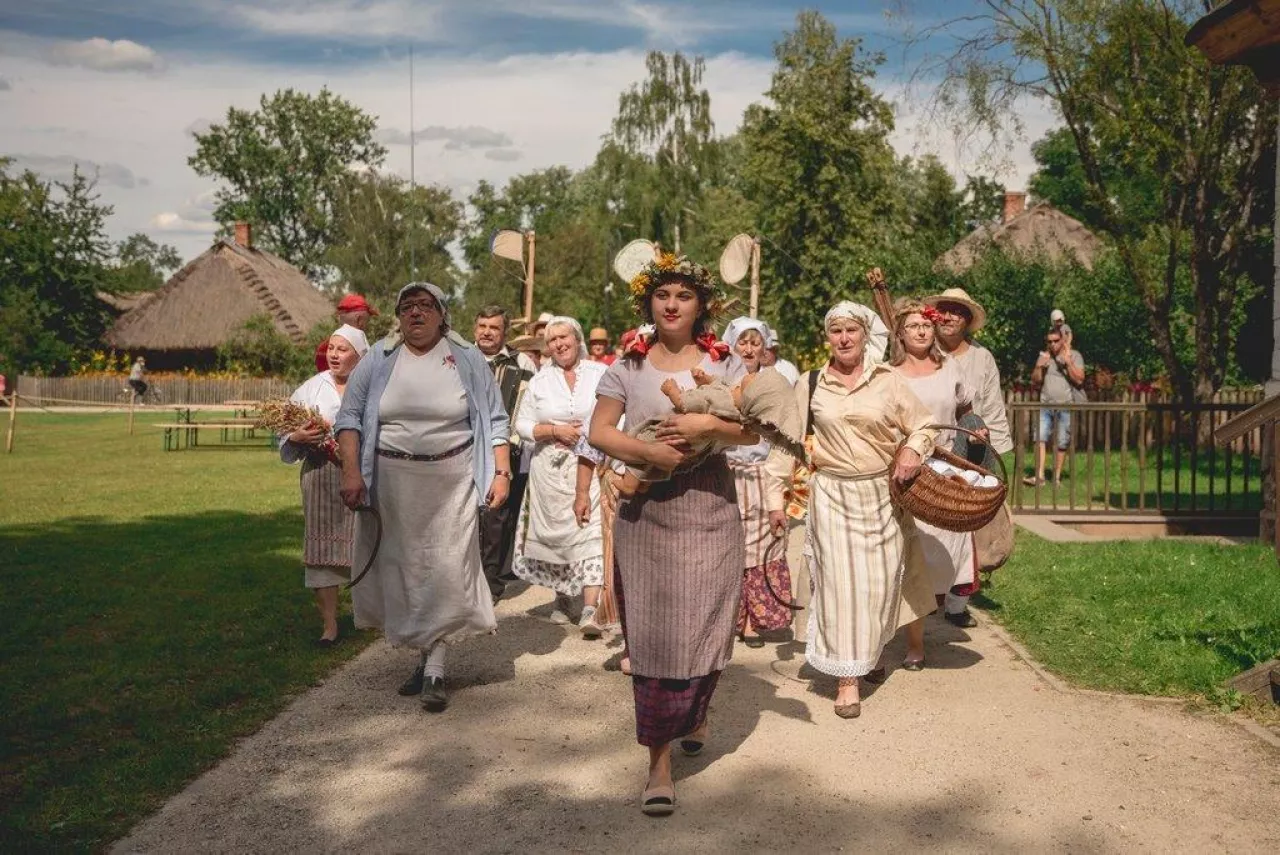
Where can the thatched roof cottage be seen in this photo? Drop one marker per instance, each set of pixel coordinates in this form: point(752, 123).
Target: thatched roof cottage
point(1041, 229)
point(210, 298)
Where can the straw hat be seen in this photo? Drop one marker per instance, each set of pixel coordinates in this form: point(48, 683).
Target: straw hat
point(959, 295)
point(599, 334)
point(528, 343)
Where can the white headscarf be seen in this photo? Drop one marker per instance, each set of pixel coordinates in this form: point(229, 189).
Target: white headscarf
point(738, 326)
point(437, 292)
point(354, 336)
point(571, 323)
point(877, 332)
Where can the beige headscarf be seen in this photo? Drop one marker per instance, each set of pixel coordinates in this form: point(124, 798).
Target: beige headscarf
point(877, 332)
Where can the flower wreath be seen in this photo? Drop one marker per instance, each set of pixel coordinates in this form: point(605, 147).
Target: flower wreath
point(663, 268)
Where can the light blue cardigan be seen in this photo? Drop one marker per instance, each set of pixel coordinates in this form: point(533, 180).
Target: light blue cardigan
point(489, 423)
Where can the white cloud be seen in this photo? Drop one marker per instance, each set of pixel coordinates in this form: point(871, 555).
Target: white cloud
point(504, 154)
point(171, 222)
point(104, 55)
point(5, 85)
point(63, 166)
point(472, 136)
point(199, 126)
point(556, 106)
point(353, 20)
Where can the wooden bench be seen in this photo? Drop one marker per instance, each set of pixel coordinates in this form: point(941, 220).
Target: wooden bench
point(180, 435)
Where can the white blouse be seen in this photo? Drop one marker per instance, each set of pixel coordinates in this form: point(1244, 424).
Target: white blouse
point(424, 407)
point(319, 392)
point(549, 400)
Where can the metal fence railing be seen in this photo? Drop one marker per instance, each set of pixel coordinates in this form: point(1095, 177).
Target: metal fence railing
point(1138, 457)
point(187, 391)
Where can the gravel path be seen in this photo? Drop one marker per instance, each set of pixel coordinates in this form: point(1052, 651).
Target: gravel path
point(537, 752)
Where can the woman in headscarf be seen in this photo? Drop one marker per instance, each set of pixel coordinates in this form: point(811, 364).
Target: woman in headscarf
point(423, 438)
point(945, 558)
point(678, 546)
point(862, 413)
point(327, 523)
point(552, 549)
point(766, 579)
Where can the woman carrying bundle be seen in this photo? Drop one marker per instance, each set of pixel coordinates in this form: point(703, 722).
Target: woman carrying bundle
point(856, 539)
point(327, 523)
point(679, 544)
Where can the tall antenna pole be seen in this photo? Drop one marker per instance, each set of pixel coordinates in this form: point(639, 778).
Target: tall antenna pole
point(413, 196)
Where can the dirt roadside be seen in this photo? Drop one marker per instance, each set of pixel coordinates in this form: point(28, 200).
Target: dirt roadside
point(537, 753)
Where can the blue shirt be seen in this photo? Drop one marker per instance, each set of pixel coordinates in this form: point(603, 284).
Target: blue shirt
point(489, 423)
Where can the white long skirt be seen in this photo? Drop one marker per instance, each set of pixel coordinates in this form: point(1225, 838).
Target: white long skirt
point(856, 553)
point(427, 584)
point(947, 556)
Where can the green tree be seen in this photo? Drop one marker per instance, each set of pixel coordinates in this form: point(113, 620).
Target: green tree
point(1136, 100)
point(53, 255)
point(819, 167)
point(141, 264)
point(664, 127)
point(387, 234)
point(284, 168)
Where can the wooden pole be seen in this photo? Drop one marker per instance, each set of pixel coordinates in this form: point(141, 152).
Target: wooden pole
point(528, 282)
point(755, 278)
point(13, 418)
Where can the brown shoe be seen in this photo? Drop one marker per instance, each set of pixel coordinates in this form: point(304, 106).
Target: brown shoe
point(852, 710)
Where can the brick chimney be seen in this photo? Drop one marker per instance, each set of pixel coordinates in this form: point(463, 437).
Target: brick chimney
point(244, 234)
point(1014, 204)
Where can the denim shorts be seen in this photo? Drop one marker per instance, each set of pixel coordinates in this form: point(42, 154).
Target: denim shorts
point(1063, 433)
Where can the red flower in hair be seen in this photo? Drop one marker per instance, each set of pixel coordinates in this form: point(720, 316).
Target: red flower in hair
point(930, 314)
point(715, 348)
point(633, 341)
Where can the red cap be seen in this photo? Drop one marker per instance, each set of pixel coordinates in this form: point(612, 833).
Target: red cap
point(355, 303)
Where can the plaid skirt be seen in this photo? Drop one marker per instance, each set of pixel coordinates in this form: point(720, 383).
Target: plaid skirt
point(666, 709)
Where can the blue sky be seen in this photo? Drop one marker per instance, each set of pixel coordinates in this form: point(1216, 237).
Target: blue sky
point(118, 85)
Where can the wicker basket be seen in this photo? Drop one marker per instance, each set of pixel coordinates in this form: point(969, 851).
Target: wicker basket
point(949, 504)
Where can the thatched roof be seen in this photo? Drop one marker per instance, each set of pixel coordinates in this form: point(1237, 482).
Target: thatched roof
point(121, 303)
point(212, 296)
point(1040, 230)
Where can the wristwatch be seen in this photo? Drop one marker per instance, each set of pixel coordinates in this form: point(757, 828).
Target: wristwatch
point(503, 473)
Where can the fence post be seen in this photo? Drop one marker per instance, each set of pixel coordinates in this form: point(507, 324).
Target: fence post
point(132, 399)
point(13, 419)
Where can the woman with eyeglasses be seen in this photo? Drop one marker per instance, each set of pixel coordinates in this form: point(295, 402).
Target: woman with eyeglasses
point(423, 433)
point(942, 561)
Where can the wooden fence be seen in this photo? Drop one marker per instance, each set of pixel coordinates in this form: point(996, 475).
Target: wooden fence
point(193, 391)
point(1139, 456)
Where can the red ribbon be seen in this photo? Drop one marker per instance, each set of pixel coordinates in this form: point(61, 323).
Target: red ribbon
point(715, 348)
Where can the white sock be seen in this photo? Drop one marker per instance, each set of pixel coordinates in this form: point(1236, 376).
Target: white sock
point(433, 661)
point(954, 605)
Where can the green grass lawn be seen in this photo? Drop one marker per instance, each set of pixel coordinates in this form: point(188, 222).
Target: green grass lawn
point(156, 613)
point(1156, 617)
point(1121, 480)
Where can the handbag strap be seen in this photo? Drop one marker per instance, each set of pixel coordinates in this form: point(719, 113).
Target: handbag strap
point(813, 387)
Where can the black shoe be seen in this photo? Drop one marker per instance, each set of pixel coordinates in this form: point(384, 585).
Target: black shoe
point(433, 697)
point(412, 686)
point(963, 619)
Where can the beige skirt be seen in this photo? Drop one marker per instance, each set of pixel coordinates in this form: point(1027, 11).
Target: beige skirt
point(856, 551)
point(427, 584)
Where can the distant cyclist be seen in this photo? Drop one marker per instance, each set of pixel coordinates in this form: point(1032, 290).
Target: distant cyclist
point(136, 375)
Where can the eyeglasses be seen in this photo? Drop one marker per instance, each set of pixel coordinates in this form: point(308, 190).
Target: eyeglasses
point(917, 327)
point(423, 306)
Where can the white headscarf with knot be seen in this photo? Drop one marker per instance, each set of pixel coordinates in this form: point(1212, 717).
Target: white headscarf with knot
point(571, 323)
point(354, 336)
point(738, 326)
point(877, 332)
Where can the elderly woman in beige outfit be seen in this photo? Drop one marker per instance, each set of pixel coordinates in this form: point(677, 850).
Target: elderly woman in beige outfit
point(856, 538)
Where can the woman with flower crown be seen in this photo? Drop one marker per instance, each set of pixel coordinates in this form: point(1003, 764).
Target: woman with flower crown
point(678, 548)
